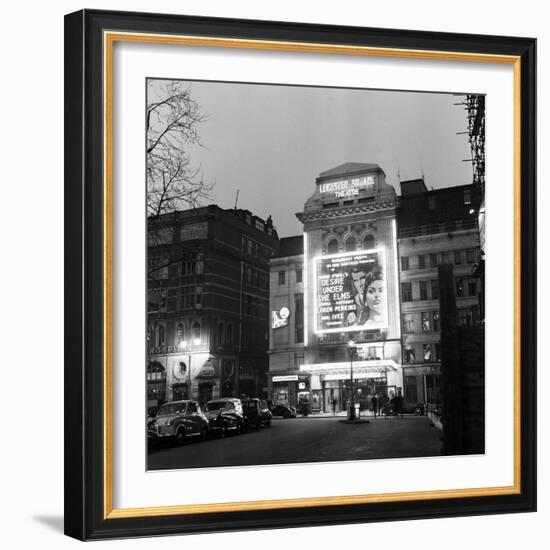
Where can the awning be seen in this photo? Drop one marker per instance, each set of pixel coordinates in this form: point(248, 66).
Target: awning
point(361, 369)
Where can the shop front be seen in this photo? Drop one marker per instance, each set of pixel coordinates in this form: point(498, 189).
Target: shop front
point(383, 380)
point(293, 389)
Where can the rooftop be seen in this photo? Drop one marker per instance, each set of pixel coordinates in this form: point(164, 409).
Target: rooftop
point(290, 246)
point(348, 169)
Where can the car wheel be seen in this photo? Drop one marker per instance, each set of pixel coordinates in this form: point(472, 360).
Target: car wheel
point(223, 432)
point(180, 437)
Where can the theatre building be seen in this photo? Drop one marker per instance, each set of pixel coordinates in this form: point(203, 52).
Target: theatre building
point(208, 304)
point(435, 227)
point(334, 295)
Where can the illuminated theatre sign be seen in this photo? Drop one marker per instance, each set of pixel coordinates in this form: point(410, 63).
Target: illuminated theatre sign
point(350, 292)
point(347, 188)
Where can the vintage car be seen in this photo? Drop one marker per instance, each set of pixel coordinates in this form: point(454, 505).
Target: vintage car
point(178, 421)
point(256, 413)
point(224, 415)
point(286, 411)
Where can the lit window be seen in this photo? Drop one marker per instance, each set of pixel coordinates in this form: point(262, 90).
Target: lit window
point(426, 324)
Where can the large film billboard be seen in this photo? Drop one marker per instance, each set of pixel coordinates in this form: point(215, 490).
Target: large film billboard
point(350, 292)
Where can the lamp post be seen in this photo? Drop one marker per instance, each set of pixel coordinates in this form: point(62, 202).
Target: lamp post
point(183, 346)
point(351, 347)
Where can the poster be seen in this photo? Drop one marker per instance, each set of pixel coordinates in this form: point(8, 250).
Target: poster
point(351, 292)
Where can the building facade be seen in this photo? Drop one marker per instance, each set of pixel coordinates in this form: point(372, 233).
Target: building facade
point(349, 231)
point(434, 228)
point(361, 242)
point(208, 304)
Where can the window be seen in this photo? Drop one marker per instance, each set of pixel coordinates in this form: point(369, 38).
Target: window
point(431, 202)
point(421, 262)
point(229, 333)
point(180, 333)
point(282, 277)
point(423, 290)
point(299, 318)
point(472, 287)
point(446, 258)
point(433, 260)
point(298, 360)
point(196, 331)
point(368, 242)
point(220, 333)
point(426, 321)
point(470, 255)
point(436, 322)
point(351, 244)
point(404, 263)
point(427, 352)
point(408, 356)
point(434, 283)
point(458, 256)
point(333, 246)
point(298, 274)
point(187, 297)
point(459, 286)
point(408, 322)
point(160, 335)
point(406, 292)
point(467, 316)
point(467, 196)
point(438, 352)
point(411, 392)
point(198, 296)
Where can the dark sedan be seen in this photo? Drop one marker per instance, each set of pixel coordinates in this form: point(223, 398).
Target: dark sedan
point(256, 413)
point(285, 411)
point(224, 415)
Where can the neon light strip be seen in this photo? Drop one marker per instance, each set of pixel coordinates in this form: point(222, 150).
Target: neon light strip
point(397, 290)
point(306, 309)
point(345, 366)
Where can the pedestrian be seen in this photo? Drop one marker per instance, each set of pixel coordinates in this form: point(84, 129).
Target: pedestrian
point(374, 402)
point(334, 402)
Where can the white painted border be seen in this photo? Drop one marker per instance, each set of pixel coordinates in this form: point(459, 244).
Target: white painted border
point(133, 487)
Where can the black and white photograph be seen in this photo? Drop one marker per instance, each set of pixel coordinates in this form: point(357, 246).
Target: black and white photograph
point(315, 285)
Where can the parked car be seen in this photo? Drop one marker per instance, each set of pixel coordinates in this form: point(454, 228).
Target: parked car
point(286, 411)
point(178, 421)
point(256, 413)
point(224, 415)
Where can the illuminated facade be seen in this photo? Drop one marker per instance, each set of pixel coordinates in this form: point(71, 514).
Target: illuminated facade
point(350, 291)
point(360, 239)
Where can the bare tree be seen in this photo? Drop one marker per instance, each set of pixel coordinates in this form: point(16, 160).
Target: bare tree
point(173, 182)
point(172, 120)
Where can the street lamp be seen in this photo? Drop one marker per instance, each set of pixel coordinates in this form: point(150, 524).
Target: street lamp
point(351, 346)
point(183, 346)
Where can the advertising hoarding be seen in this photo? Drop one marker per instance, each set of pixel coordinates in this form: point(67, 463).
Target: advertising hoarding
point(350, 292)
